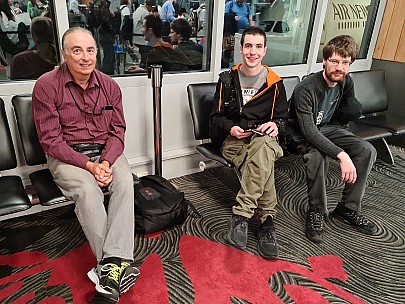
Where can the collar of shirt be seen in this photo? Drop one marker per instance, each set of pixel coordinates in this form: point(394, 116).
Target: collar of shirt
point(68, 78)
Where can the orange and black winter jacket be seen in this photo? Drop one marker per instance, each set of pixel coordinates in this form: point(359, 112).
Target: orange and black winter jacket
point(268, 104)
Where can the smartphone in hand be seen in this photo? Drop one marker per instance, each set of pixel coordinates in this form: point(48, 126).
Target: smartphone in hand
point(254, 131)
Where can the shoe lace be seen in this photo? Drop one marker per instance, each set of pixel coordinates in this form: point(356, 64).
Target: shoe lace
point(124, 265)
point(113, 271)
point(266, 232)
point(316, 219)
point(361, 220)
point(241, 223)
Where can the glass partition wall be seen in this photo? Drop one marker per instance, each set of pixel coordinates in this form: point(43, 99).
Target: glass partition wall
point(180, 44)
point(349, 17)
point(289, 26)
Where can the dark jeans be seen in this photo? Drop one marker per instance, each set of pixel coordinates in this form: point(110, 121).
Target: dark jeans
point(107, 63)
point(363, 156)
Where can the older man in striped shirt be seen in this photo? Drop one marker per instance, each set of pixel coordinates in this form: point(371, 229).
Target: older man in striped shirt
point(80, 122)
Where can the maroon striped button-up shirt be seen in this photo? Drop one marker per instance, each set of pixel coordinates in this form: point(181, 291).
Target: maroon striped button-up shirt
point(66, 114)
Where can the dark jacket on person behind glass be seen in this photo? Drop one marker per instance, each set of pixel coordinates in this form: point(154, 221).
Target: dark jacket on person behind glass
point(266, 105)
point(163, 54)
point(190, 54)
point(42, 57)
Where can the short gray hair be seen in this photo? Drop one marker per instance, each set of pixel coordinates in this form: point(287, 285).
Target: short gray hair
point(75, 30)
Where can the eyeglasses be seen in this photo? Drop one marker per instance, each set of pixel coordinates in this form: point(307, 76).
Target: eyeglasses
point(335, 62)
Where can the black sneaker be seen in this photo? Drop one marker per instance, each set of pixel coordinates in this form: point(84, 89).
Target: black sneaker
point(238, 228)
point(314, 226)
point(129, 275)
point(107, 280)
point(354, 218)
point(267, 244)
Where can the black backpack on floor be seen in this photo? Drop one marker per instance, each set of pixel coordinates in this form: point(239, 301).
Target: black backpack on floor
point(158, 204)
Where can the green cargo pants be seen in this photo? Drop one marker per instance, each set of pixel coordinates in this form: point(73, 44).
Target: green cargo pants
point(254, 157)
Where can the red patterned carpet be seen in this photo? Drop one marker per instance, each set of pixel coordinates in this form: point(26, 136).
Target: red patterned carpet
point(44, 257)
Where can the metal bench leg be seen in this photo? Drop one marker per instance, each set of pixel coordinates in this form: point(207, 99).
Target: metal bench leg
point(383, 151)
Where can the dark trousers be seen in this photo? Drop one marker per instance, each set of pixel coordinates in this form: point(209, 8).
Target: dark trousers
point(363, 156)
point(107, 63)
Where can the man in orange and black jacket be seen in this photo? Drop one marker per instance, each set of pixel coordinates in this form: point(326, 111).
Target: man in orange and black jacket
point(249, 113)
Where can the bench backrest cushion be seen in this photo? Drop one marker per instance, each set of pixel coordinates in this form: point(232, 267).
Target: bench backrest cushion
point(290, 83)
point(8, 159)
point(200, 99)
point(370, 91)
point(34, 155)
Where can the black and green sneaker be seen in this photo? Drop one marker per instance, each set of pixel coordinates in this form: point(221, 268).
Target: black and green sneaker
point(129, 275)
point(107, 280)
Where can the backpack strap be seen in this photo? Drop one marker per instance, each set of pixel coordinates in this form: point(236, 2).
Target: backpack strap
point(192, 207)
point(227, 88)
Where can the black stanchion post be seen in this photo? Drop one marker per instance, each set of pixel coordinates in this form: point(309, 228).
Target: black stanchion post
point(156, 74)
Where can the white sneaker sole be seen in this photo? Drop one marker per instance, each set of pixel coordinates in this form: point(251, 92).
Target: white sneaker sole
point(92, 275)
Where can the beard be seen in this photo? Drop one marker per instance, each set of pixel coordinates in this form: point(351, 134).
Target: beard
point(336, 76)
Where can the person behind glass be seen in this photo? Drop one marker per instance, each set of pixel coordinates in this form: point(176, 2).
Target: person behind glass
point(167, 15)
point(42, 58)
point(33, 8)
point(201, 21)
point(190, 53)
point(138, 37)
point(127, 44)
point(321, 106)
point(124, 9)
point(79, 118)
point(237, 17)
point(15, 7)
point(162, 52)
point(74, 7)
point(106, 38)
point(14, 38)
point(239, 10)
point(246, 120)
point(21, 5)
point(74, 14)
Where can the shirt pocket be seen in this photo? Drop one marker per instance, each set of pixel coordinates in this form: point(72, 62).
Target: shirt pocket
point(102, 122)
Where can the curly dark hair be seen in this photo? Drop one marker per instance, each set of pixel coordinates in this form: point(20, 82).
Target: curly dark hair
point(343, 45)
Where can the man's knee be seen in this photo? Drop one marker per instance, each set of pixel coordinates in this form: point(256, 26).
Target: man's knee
point(267, 145)
point(314, 158)
point(371, 151)
point(368, 151)
point(121, 172)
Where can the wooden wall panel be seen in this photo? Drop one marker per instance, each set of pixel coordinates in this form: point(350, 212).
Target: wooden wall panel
point(390, 42)
point(400, 55)
point(385, 24)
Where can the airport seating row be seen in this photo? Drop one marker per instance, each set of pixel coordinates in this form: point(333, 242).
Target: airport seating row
point(13, 196)
point(375, 126)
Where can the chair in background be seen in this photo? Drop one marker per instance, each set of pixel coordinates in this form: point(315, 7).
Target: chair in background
point(42, 180)
point(376, 126)
point(370, 90)
point(200, 99)
point(290, 83)
point(13, 197)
